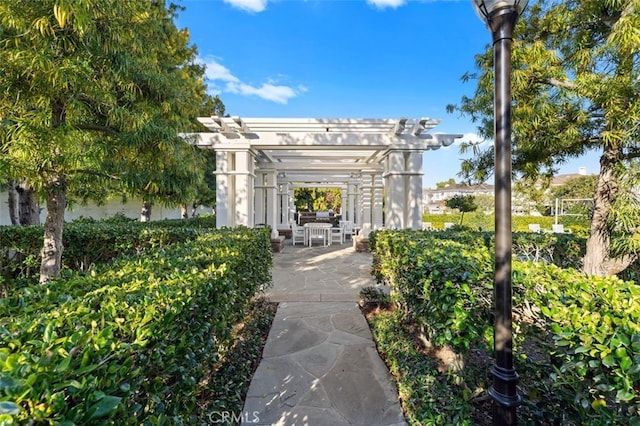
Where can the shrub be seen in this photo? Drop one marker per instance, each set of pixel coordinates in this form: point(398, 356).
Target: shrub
point(577, 337)
point(112, 346)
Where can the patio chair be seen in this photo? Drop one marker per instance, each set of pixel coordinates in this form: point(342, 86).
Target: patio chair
point(534, 227)
point(347, 229)
point(337, 235)
point(297, 234)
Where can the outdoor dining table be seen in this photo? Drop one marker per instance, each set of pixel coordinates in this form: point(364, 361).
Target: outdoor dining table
point(313, 230)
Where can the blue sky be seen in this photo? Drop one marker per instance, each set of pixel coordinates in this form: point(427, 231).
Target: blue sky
point(345, 59)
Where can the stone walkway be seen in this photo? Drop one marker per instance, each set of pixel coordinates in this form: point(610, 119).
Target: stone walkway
point(320, 365)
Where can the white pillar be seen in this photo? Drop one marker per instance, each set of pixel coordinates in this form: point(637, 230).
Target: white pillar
point(222, 189)
point(292, 203)
point(284, 206)
point(395, 189)
point(243, 189)
point(366, 194)
point(414, 190)
point(353, 202)
point(344, 202)
point(378, 185)
point(272, 206)
point(260, 198)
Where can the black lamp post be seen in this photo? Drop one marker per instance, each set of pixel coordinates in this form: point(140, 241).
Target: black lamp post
point(501, 16)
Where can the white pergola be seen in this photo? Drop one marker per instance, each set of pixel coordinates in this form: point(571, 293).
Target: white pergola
point(260, 161)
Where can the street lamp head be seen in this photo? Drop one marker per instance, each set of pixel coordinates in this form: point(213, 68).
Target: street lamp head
point(486, 8)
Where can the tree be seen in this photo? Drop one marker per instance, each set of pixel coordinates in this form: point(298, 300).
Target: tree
point(576, 89)
point(317, 199)
point(463, 203)
point(444, 184)
point(87, 99)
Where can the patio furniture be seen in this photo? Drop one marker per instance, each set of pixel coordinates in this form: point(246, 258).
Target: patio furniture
point(317, 231)
point(426, 226)
point(348, 230)
point(298, 234)
point(534, 227)
point(336, 235)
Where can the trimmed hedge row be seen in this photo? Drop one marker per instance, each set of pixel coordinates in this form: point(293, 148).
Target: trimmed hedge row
point(129, 343)
point(88, 242)
point(584, 331)
point(479, 221)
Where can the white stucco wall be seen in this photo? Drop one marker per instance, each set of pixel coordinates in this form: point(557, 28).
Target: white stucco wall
point(130, 209)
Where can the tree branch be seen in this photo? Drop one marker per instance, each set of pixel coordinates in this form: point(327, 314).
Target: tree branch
point(563, 84)
point(104, 129)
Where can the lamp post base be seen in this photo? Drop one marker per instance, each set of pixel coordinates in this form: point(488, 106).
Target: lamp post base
point(505, 395)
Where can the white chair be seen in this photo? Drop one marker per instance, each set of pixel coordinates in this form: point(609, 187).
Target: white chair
point(426, 226)
point(347, 229)
point(337, 236)
point(534, 227)
point(557, 228)
point(297, 234)
point(448, 225)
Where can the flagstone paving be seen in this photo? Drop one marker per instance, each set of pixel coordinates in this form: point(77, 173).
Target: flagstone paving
point(320, 365)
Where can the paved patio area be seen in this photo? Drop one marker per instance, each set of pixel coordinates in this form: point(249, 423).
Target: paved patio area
point(320, 274)
point(320, 365)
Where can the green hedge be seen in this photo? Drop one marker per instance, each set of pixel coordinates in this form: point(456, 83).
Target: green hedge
point(131, 342)
point(479, 221)
point(584, 331)
point(88, 242)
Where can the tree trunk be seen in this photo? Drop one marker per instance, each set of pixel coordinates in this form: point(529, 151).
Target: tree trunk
point(28, 205)
point(56, 190)
point(194, 210)
point(597, 259)
point(184, 214)
point(145, 213)
point(13, 202)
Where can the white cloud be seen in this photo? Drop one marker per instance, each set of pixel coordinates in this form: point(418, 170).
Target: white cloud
point(382, 4)
point(249, 5)
point(216, 71)
point(268, 91)
point(220, 80)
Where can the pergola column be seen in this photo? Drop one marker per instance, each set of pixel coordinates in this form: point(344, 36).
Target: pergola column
point(403, 178)
point(353, 195)
point(243, 189)
point(284, 205)
point(222, 189)
point(260, 198)
point(272, 206)
point(234, 187)
point(395, 194)
point(366, 199)
point(414, 190)
point(377, 203)
point(292, 203)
